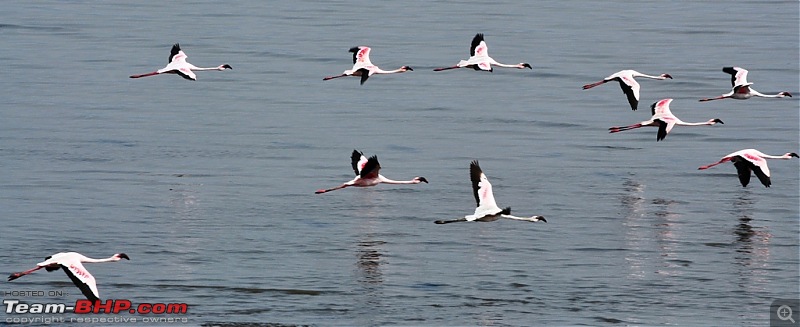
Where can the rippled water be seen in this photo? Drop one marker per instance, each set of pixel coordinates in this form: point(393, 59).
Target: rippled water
point(208, 185)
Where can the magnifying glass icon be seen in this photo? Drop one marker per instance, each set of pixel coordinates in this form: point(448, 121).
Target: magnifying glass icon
point(785, 313)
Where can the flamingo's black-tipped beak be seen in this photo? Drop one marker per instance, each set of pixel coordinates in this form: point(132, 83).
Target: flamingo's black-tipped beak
point(226, 66)
point(787, 94)
point(794, 155)
point(540, 218)
point(525, 64)
point(409, 68)
point(123, 256)
point(423, 180)
point(718, 121)
point(667, 76)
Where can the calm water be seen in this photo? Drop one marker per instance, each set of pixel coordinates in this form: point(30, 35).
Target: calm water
point(208, 185)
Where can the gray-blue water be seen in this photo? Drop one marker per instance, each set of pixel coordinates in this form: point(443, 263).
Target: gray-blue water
point(208, 185)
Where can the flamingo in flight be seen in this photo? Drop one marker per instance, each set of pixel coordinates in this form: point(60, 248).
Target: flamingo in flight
point(364, 68)
point(368, 174)
point(748, 160)
point(178, 65)
point(663, 119)
point(741, 88)
point(479, 58)
point(628, 84)
point(487, 209)
point(71, 263)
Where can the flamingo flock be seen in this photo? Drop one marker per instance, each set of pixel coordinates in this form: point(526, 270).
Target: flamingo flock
point(367, 170)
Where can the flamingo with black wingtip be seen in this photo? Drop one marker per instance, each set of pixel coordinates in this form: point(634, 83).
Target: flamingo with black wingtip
point(178, 65)
point(368, 174)
point(487, 209)
point(479, 58)
point(72, 264)
point(628, 84)
point(663, 119)
point(751, 160)
point(363, 67)
point(741, 87)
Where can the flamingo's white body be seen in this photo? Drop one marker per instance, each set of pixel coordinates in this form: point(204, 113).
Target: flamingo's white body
point(628, 84)
point(479, 58)
point(72, 264)
point(663, 119)
point(741, 87)
point(368, 174)
point(487, 209)
point(178, 65)
point(748, 160)
point(363, 67)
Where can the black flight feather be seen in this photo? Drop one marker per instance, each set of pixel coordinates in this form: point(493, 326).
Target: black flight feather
point(476, 41)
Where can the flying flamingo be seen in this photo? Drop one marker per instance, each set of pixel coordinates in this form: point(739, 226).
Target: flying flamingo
point(751, 160)
point(741, 88)
point(364, 68)
point(487, 209)
point(479, 58)
point(628, 84)
point(178, 65)
point(663, 119)
point(70, 262)
point(368, 174)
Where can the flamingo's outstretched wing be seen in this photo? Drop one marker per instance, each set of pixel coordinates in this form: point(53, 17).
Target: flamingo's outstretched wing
point(478, 46)
point(745, 163)
point(82, 279)
point(481, 188)
point(358, 160)
point(630, 87)
point(738, 75)
point(371, 168)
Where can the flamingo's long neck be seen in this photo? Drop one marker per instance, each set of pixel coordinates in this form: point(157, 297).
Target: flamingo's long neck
point(205, 68)
point(505, 65)
point(377, 70)
point(785, 156)
point(683, 123)
point(759, 94)
point(532, 218)
point(648, 76)
point(92, 260)
point(391, 181)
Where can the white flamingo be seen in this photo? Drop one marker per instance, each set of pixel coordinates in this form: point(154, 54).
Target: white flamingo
point(741, 87)
point(178, 65)
point(748, 160)
point(368, 174)
point(663, 119)
point(71, 263)
point(628, 84)
point(487, 209)
point(364, 68)
point(479, 58)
